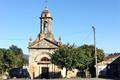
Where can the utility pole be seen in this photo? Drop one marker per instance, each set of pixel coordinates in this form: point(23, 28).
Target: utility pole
point(96, 69)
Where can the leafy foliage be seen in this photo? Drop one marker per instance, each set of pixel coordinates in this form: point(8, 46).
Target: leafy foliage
point(87, 58)
point(70, 57)
point(88, 55)
point(63, 57)
point(10, 58)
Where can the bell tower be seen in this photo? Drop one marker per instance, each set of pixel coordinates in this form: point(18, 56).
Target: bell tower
point(46, 24)
point(46, 21)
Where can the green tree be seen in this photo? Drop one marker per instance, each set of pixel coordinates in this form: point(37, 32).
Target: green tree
point(1, 61)
point(81, 58)
point(10, 58)
point(63, 57)
point(4, 60)
point(16, 56)
point(87, 57)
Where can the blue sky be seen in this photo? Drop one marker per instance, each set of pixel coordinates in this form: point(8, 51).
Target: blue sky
point(72, 20)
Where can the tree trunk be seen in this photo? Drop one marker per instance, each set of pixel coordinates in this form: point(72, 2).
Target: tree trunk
point(66, 73)
point(86, 72)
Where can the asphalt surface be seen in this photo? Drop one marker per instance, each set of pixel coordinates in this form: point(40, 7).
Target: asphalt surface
point(71, 79)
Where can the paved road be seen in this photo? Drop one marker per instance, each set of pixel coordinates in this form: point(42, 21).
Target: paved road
point(70, 79)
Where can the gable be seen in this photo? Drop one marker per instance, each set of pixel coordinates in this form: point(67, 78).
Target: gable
point(44, 43)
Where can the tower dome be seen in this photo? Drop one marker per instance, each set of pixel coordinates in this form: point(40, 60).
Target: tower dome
point(46, 13)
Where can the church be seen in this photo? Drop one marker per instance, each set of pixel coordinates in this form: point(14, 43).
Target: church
point(41, 48)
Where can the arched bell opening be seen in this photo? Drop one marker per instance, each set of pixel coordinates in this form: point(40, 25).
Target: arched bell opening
point(46, 27)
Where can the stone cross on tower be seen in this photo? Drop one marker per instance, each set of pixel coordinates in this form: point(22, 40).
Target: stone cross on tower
point(46, 1)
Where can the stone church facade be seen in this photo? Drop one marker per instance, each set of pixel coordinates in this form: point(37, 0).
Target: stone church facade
point(41, 49)
point(40, 65)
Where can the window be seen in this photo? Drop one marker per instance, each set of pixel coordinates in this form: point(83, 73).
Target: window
point(45, 59)
point(45, 15)
point(46, 26)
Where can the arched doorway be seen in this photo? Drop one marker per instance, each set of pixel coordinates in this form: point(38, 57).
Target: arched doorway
point(45, 70)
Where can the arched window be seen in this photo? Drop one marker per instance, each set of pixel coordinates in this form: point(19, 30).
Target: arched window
point(45, 59)
point(46, 26)
point(45, 15)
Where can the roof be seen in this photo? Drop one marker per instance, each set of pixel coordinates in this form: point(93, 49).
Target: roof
point(45, 13)
point(44, 44)
point(110, 59)
point(111, 56)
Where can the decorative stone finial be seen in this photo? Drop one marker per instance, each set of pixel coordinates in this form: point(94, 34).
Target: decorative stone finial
point(59, 42)
point(30, 41)
point(46, 1)
point(59, 39)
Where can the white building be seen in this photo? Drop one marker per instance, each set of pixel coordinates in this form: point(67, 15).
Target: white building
point(109, 67)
